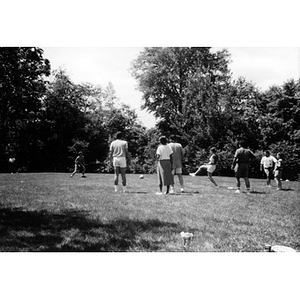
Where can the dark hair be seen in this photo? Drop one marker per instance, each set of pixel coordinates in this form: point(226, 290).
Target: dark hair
point(280, 155)
point(163, 140)
point(213, 149)
point(119, 135)
point(267, 152)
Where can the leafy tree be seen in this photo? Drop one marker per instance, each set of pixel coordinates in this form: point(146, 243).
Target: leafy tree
point(64, 121)
point(23, 72)
point(184, 89)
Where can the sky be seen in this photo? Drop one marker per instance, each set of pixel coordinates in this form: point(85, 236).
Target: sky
point(263, 66)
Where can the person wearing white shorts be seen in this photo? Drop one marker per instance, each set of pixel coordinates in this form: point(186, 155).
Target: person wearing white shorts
point(210, 167)
point(177, 156)
point(120, 159)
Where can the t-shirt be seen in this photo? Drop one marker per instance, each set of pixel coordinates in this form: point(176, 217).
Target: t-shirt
point(268, 161)
point(278, 164)
point(79, 160)
point(177, 154)
point(243, 155)
point(164, 152)
point(213, 159)
point(118, 148)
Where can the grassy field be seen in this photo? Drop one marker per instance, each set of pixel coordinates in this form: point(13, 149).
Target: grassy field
point(52, 212)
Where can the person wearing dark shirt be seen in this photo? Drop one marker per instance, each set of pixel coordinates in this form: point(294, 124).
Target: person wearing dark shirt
point(240, 165)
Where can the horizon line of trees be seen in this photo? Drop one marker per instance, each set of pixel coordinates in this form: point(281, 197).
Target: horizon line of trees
point(46, 119)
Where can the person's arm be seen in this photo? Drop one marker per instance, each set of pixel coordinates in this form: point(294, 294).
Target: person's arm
point(128, 158)
point(234, 163)
point(261, 164)
point(111, 155)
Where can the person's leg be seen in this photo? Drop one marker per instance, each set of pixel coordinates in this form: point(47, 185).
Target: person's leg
point(116, 178)
point(83, 170)
point(209, 175)
point(123, 175)
point(198, 170)
point(75, 170)
point(180, 178)
point(267, 171)
point(278, 181)
point(247, 183)
point(238, 184)
point(168, 189)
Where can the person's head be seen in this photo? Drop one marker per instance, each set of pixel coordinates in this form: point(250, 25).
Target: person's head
point(80, 153)
point(119, 135)
point(267, 153)
point(242, 143)
point(163, 140)
point(213, 150)
point(280, 155)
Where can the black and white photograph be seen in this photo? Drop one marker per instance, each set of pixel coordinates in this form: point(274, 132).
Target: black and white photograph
point(149, 156)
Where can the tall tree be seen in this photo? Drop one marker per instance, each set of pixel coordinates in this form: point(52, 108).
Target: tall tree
point(22, 85)
point(184, 88)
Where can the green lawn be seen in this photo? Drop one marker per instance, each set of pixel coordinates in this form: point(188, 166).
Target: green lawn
point(52, 212)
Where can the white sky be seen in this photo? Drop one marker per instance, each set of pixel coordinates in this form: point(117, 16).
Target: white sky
point(264, 66)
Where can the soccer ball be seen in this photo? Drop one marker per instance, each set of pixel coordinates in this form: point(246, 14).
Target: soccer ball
point(142, 176)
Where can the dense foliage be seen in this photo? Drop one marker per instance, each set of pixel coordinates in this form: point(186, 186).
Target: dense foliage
point(45, 120)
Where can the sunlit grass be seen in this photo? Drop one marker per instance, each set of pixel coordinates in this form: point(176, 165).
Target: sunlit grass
point(52, 212)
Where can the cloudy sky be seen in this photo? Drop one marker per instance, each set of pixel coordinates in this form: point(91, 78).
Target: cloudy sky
point(264, 66)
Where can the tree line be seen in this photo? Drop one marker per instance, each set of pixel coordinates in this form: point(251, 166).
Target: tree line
point(46, 119)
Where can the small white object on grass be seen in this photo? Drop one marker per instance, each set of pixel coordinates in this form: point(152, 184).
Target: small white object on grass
point(279, 248)
point(287, 180)
point(186, 237)
point(142, 176)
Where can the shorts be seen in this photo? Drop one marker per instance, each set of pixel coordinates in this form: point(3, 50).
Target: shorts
point(119, 162)
point(241, 170)
point(268, 171)
point(209, 168)
point(177, 171)
point(278, 174)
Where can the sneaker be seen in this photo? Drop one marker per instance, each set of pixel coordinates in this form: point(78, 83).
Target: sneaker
point(158, 193)
point(269, 186)
point(172, 192)
point(237, 191)
point(192, 174)
point(83, 176)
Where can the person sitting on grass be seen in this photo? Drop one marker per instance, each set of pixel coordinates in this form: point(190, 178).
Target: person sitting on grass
point(79, 164)
point(210, 166)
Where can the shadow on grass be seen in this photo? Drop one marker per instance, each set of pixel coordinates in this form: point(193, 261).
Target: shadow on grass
point(74, 230)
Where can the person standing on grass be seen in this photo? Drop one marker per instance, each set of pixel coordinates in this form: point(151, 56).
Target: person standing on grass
point(120, 159)
point(240, 165)
point(210, 166)
point(267, 164)
point(278, 170)
point(79, 164)
point(164, 165)
point(177, 156)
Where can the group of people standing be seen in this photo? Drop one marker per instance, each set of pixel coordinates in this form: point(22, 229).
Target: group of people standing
point(169, 163)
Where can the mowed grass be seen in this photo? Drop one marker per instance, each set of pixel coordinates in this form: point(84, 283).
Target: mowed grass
point(53, 212)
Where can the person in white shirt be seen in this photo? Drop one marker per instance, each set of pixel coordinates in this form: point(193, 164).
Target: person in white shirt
point(120, 159)
point(267, 165)
point(164, 165)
